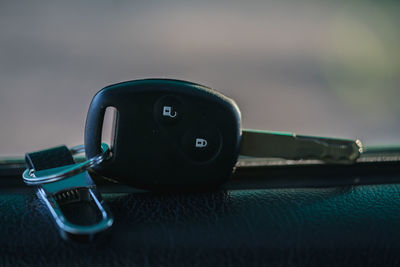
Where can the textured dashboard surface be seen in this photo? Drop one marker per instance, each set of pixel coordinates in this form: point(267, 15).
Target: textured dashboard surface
point(343, 225)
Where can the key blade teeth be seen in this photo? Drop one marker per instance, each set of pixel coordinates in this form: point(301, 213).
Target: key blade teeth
point(330, 150)
point(298, 147)
point(346, 153)
point(359, 145)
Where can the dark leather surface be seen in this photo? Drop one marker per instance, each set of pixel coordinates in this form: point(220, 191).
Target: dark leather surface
point(49, 158)
point(344, 225)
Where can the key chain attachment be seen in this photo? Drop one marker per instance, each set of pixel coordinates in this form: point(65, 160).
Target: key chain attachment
point(31, 179)
point(62, 184)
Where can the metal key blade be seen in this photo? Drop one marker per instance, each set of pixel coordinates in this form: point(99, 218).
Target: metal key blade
point(291, 146)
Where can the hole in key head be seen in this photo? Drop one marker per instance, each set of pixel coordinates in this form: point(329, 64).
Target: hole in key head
point(109, 124)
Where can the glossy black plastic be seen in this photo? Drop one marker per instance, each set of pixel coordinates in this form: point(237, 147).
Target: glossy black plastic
point(150, 147)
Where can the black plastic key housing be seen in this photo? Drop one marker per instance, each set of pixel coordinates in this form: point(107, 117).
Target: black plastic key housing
point(169, 134)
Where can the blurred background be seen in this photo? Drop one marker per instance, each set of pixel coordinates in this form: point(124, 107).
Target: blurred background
point(329, 68)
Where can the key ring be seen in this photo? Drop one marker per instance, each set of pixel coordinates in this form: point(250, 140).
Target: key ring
point(31, 179)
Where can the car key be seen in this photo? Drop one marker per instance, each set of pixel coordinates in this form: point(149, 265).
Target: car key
point(168, 134)
point(172, 134)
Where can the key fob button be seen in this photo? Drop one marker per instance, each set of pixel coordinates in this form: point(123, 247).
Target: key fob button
point(168, 110)
point(202, 143)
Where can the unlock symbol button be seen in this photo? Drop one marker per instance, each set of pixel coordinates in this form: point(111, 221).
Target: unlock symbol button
point(167, 112)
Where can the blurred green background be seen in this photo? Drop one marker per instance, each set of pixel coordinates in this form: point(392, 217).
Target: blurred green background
point(329, 68)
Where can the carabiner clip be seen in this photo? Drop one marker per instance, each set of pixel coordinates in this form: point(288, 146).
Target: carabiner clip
point(73, 200)
point(81, 190)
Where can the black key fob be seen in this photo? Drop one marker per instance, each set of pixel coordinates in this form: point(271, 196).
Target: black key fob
point(169, 134)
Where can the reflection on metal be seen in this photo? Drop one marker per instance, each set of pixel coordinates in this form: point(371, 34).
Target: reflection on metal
point(291, 146)
point(32, 178)
point(70, 185)
point(80, 189)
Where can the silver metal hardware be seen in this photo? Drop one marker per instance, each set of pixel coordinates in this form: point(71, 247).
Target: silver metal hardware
point(71, 184)
point(77, 188)
point(32, 178)
point(291, 146)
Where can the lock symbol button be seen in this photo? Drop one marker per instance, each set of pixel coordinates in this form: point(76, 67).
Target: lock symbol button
point(200, 142)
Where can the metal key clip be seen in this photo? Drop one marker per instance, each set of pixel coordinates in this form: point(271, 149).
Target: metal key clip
point(32, 178)
point(71, 198)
